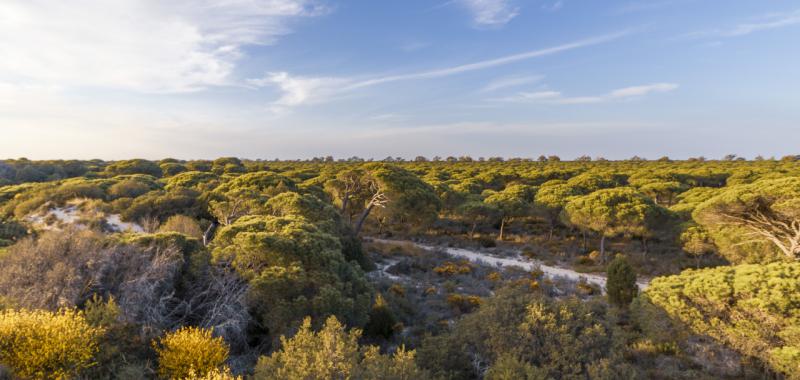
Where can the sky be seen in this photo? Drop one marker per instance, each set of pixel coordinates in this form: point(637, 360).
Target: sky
point(189, 79)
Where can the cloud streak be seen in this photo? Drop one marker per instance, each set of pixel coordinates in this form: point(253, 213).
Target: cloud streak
point(300, 90)
point(481, 65)
point(508, 82)
point(557, 98)
point(768, 22)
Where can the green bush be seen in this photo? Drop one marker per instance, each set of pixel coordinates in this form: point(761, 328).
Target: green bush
point(136, 166)
point(621, 282)
point(382, 321)
point(334, 353)
point(752, 308)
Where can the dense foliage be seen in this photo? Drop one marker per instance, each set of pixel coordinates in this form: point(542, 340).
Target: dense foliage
point(40, 344)
point(621, 282)
point(239, 267)
point(753, 308)
point(189, 352)
point(334, 353)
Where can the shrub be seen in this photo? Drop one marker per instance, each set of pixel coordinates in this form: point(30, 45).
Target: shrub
point(217, 374)
point(10, 231)
point(334, 353)
point(136, 166)
point(128, 189)
point(464, 303)
point(190, 352)
point(76, 188)
point(191, 179)
point(450, 268)
point(752, 308)
point(170, 169)
point(400, 366)
point(182, 224)
point(161, 205)
point(621, 282)
point(585, 288)
point(487, 242)
point(41, 344)
point(584, 260)
point(52, 271)
point(508, 367)
point(381, 320)
point(398, 290)
point(330, 354)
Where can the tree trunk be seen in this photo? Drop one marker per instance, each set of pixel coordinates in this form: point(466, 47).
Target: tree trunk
point(550, 234)
point(502, 227)
point(363, 217)
point(472, 231)
point(345, 203)
point(603, 248)
point(583, 234)
point(209, 233)
point(644, 246)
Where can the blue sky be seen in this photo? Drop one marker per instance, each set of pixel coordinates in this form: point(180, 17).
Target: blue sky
point(302, 78)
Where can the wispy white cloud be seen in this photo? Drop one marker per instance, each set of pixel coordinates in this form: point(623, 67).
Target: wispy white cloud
point(556, 97)
point(554, 6)
point(508, 82)
point(299, 90)
point(141, 45)
point(766, 22)
point(481, 65)
point(491, 13)
point(628, 92)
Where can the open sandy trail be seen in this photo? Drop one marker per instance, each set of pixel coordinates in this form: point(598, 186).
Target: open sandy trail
point(517, 261)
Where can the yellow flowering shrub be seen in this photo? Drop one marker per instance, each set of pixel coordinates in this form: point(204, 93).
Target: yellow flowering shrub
point(463, 302)
point(190, 353)
point(46, 345)
point(450, 268)
point(215, 374)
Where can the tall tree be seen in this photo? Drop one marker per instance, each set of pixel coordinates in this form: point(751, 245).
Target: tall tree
point(551, 199)
point(613, 212)
point(397, 195)
point(764, 214)
point(477, 211)
point(348, 188)
point(513, 202)
point(696, 242)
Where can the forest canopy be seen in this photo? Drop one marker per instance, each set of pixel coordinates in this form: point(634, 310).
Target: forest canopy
point(323, 268)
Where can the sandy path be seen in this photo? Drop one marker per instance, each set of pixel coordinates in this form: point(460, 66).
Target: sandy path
point(518, 261)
